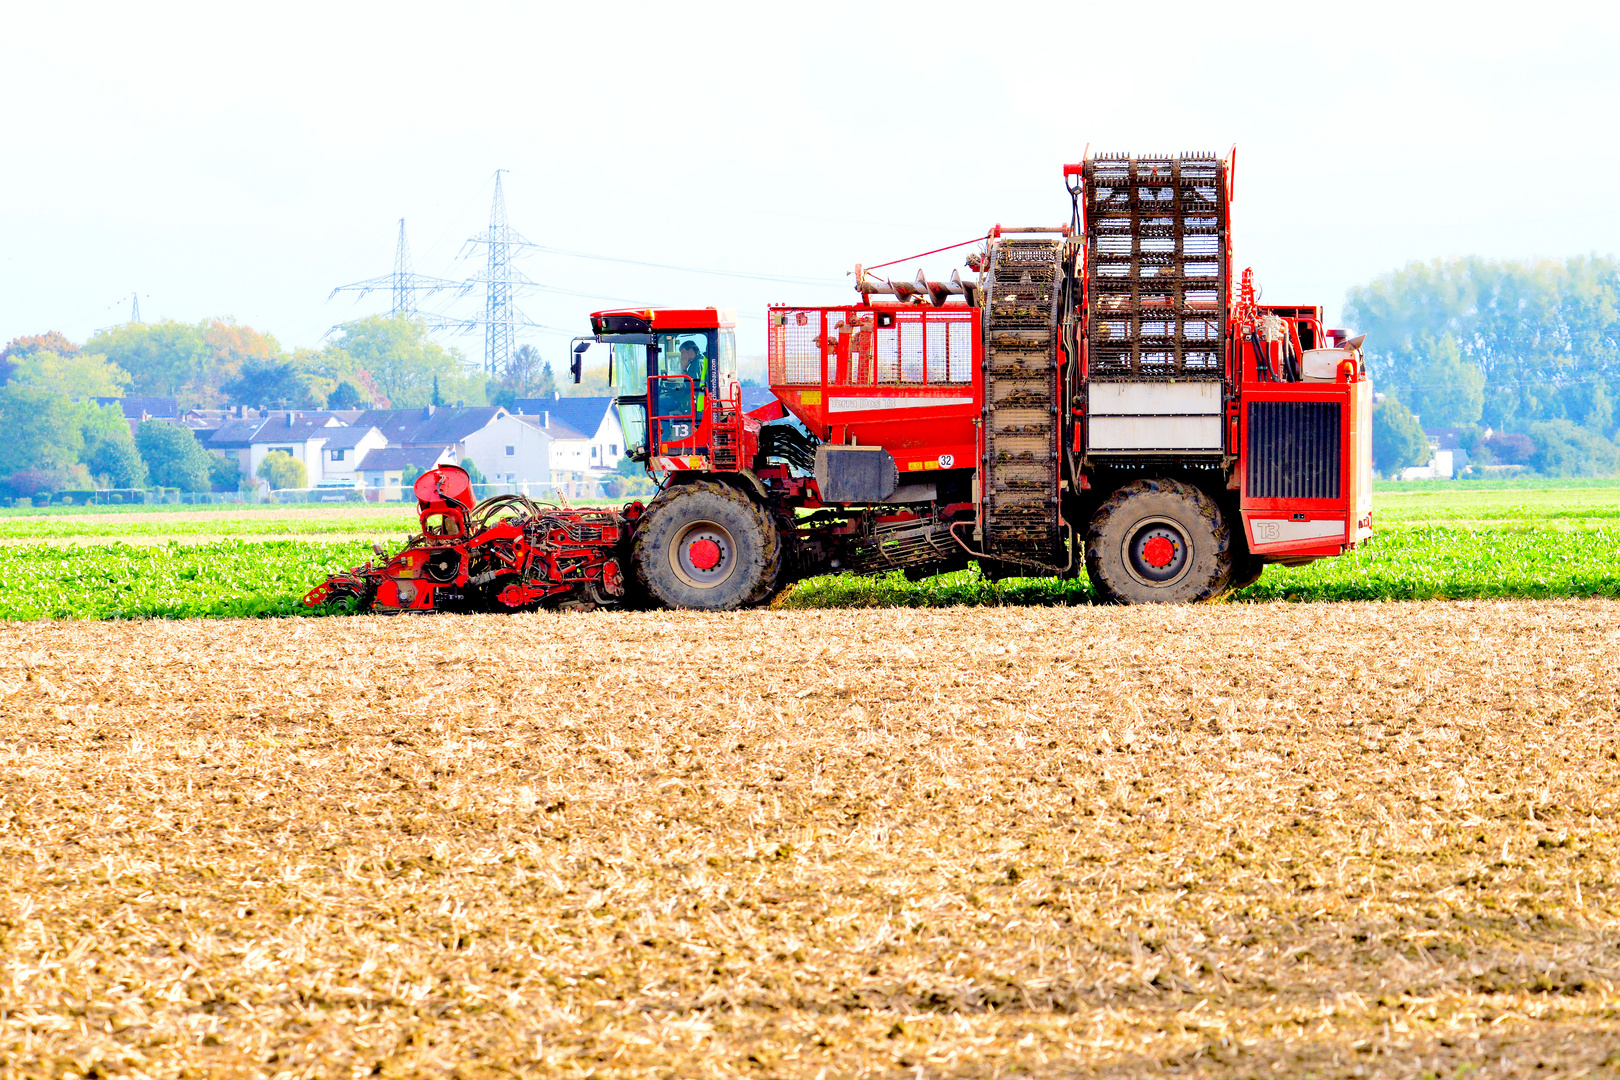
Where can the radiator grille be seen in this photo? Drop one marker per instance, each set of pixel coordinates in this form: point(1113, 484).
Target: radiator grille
point(1293, 450)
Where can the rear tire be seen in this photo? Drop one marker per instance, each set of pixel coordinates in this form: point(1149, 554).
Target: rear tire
point(707, 546)
point(1159, 542)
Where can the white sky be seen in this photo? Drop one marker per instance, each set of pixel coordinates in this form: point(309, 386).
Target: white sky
point(241, 160)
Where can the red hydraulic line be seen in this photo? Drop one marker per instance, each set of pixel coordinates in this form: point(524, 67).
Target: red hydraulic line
point(920, 254)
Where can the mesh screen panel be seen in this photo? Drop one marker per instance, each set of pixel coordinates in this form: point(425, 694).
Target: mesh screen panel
point(920, 346)
point(1156, 266)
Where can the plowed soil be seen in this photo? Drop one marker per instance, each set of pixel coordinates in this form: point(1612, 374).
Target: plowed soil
point(1357, 839)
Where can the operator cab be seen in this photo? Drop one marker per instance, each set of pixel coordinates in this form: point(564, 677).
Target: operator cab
point(667, 367)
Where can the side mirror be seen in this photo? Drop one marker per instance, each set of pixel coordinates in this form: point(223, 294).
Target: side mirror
point(578, 362)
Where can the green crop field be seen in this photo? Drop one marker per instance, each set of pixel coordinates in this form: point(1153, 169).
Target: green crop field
point(1568, 506)
point(1460, 541)
point(230, 578)
point(1418, 563)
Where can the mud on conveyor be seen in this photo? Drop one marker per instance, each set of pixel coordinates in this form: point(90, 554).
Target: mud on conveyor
point(1022, 470)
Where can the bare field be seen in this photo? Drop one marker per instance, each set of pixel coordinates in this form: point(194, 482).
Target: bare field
point(1356, 839)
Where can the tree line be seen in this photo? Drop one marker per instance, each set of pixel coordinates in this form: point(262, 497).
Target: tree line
point(1521, 358)
point(54, 437)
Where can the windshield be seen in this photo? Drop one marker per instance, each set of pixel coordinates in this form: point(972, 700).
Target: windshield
point(728, 352)
point(628, 365)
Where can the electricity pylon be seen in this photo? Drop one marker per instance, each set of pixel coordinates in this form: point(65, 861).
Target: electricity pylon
point(404, 284)
point(501, 315)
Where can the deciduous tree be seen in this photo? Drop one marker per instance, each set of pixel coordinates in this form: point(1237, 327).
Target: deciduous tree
point(50, 341)
point(1534, 330)
point(1398, 441)
point(161, 358)
point(275, 384)
point(79, 375)
point(174, 458)
point(402, 361)
point(1442, 388)
point(281, 470)
point(42, 430)
point(109, 449)
point(1563, 448)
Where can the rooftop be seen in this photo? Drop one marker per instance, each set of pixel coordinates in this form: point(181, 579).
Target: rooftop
point(429, 425)
point(580, 413)
point(403, 457)
point(342, 438)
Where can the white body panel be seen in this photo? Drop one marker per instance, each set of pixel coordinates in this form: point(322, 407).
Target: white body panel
point(1263, 531)
point(1322, 365)
point(1136, 417)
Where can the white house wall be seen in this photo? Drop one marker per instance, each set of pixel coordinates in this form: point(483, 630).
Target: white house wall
point(306, 450)
point(529, 462)
point(608, 440)
point(570, 455)
point(352, 457)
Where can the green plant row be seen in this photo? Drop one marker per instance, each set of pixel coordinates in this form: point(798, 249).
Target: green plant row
point(232, 578)
point(1489, 504)
point(1419, 563)
point(239, 578)
point(1504, 483)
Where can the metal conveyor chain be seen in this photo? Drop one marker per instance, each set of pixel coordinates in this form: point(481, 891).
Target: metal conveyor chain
point(1022, 472)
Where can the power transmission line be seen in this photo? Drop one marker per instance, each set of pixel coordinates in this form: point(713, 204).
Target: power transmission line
point(744, 274)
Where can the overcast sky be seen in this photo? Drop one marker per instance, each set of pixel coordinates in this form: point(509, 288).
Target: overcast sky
point(242, 159)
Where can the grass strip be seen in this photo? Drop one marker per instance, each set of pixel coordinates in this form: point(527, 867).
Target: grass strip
point(1418, 563)
point(45, 529)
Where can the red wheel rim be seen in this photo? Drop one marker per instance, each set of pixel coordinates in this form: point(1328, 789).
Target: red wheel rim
point(1158, 551)
point(704, 554)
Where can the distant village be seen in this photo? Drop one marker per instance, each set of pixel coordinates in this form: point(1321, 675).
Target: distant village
point(572, 446)
point(567, 445)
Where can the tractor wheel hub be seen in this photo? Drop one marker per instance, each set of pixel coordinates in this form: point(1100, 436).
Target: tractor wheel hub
point(704, 554)
point(1158, 552)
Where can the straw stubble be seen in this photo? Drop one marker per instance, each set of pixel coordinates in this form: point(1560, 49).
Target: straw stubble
point(1352, 839)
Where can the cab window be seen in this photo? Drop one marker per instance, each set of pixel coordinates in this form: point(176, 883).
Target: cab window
point(670, 360)
point(728, 353)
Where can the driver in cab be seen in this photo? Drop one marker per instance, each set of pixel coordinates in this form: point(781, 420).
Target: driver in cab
point(695, 366)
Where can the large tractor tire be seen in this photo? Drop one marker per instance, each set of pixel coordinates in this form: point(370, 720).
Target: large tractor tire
point(707, 546)
point(1159, 542)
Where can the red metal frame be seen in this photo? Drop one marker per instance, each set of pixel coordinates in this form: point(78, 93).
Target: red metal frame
point(1266, 521)
point(673, 320)
point(901, 376)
